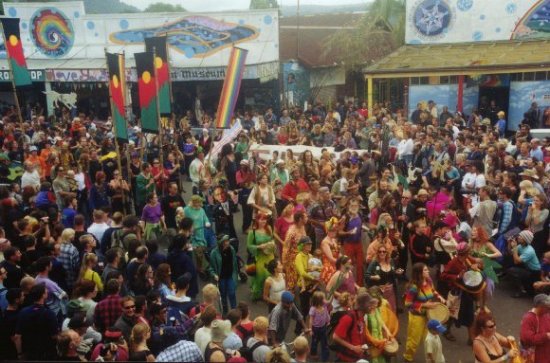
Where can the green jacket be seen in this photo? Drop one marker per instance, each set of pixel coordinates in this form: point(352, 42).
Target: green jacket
point(142, 190)
point(215, 267)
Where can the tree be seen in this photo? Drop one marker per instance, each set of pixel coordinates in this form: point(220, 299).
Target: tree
point(379, 32)
point(163, 8)
point(263, 4)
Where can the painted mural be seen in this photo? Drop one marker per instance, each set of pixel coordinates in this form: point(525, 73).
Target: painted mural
point(51, 32)
point(63, 30)
point(194, 36)
point(443, 95)
point(454, 21)
point(522, 94)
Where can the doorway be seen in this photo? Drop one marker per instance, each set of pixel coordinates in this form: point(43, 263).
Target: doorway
point(501, 96)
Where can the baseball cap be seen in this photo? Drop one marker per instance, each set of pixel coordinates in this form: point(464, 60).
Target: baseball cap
point(287, 297)
point(437, 326)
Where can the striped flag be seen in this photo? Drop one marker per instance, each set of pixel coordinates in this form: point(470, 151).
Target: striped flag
point(228, 137)
point(231, 87)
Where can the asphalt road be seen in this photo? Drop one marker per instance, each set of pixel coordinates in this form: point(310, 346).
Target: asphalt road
point(507, 311)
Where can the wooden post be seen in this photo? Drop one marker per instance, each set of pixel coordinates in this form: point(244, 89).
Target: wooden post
point(118, 161)
point(460, 94)
point(369, 94)
point(161, 151)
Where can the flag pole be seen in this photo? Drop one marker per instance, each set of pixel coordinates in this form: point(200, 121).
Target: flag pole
point(15, 97)
point(161, 133)
point(118, 161)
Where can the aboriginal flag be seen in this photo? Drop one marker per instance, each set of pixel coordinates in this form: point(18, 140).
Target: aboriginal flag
point(147, 92)
point(163, 71)
point(14, 48)
point(117, 86)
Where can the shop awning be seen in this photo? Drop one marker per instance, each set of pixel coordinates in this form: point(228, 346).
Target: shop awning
point(74, 63)
point(463, 59)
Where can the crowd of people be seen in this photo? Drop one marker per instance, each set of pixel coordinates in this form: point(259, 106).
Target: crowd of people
point(103, 258)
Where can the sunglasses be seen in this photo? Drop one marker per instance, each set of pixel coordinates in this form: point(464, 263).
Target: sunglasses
point(130, 307)
point(382, 251)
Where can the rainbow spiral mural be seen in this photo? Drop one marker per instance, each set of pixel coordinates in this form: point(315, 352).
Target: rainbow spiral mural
point(52, 32)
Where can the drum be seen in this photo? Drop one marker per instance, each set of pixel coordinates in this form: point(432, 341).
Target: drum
point(440, 313)
point(391, 347)
point(473, 281)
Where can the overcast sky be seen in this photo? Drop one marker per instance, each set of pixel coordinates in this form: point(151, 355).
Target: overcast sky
point(216, 5)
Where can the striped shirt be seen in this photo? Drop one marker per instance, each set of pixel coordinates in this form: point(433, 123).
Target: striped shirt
point(415, 297)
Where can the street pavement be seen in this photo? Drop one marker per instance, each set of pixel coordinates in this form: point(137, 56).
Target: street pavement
point(507, 310)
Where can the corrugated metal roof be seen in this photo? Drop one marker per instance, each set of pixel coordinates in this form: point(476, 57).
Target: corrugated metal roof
point(503, 56)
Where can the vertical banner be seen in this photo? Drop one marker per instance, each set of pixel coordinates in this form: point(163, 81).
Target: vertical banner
point(117, 87)
point(14, 49)
point(158, 44)
point(147, 91)
point(231, 87)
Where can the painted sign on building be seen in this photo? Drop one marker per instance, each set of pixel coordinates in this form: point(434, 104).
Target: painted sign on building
point(457, 21)
point(63, 31)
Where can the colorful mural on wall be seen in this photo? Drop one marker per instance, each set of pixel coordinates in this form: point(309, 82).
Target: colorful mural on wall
point(453, 21)
point(194, 36)
point(52, 32)
point(443, 95)
point(522, 94)
point(62, 30)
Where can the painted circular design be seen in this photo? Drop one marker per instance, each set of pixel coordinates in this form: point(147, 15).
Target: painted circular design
point(268, 19)
point(146, 76)
point(124, 24)
point(77, 14)
point(13, 40)
point(90, 25)
point(511, 8)
point(52, 32)
point(477, 36)
point(464, 5)
point(432, 17)
point(24, 25)
point(158, 62)
point(12, 12)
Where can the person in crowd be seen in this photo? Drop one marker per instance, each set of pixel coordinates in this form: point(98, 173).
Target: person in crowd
point(290, 248)
point(87, 271)
point(153, 218)
point(275, 284)
point(37, 328)
point(383, 273)
point(352, 241)
point(127, 319)
point(203, 335)
point(524, 266)
point(432, 344)
point(139, 352)
point(420, 296)
point(224, 268)
point(489, 345)
point(535, 326)
point(281, 316)
point(261, 245)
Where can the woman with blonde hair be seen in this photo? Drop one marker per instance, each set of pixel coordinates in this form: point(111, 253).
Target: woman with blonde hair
point(330, 248)
point(282, 225)
point(537, 216)
point(139, 351)
point(89, 262)
point(277, 355)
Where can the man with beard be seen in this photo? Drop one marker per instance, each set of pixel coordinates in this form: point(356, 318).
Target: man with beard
point(170, 203)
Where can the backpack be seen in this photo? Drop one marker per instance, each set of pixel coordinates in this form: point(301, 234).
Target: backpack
point(334, 320)
point(248, 353)
point(516, 217)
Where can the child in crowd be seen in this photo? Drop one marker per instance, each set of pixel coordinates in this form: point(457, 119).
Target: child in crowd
point(315, 264)
point(318, 322)
point(432, 345)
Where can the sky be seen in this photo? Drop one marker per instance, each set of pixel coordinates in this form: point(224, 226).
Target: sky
point(217, 5)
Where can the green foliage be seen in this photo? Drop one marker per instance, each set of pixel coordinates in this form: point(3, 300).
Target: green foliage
point(379, 32)
point(263, 4)
point(163, 8)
